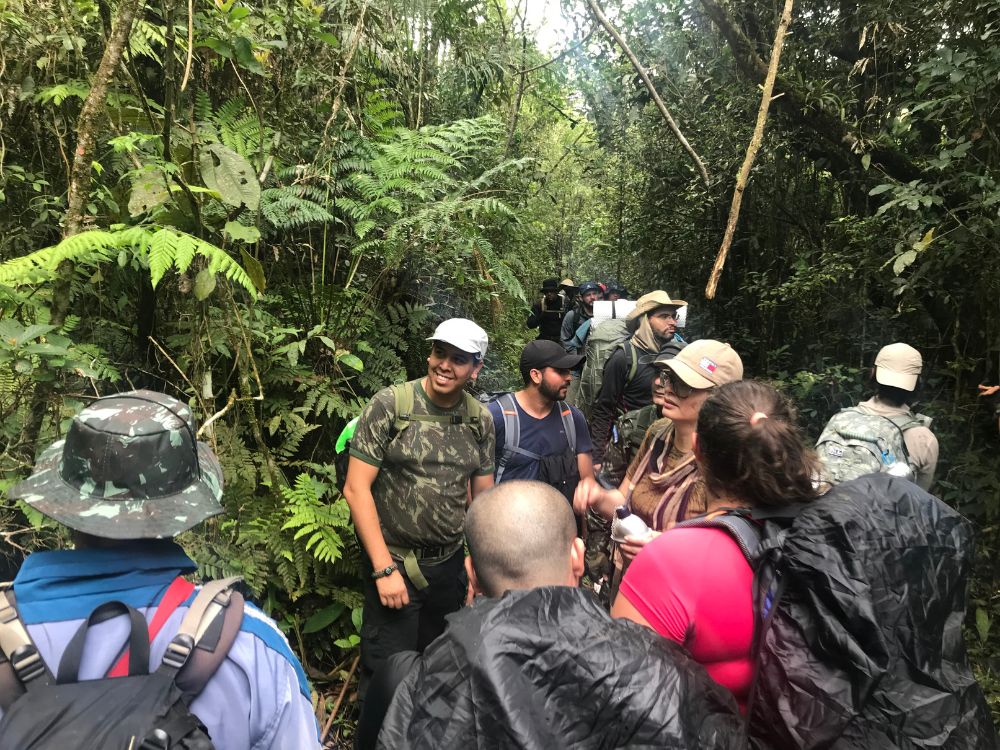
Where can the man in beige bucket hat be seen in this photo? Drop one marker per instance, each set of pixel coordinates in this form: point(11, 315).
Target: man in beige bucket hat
point(897, 375)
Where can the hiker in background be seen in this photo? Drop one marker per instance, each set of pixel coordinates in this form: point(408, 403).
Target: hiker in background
point(615, 292)
point(547, 314)
point(536, 663)
point(582, 311)
point(628, 373)
point(883, 434)
point(539, 436)
point(663, 485)
point(418, 451)
point(568, 291)
point(129, 476)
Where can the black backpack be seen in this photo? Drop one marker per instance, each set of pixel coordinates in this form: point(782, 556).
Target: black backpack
point(146, 710)
point(859, 599)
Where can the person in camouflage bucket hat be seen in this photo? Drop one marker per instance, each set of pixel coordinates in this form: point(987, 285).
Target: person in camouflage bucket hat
point(128, 477)
point(129, 468)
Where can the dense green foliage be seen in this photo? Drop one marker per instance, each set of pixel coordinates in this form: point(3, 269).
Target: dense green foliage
point(288, 193)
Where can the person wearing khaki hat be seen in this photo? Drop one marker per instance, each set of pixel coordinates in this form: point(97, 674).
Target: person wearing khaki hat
point(897, 377)
point(128, 477)
point(627, 381)
point(663, 485)
point(420, 450)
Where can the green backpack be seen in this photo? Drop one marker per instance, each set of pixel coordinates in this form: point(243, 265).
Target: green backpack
point(601, 344)
point(857, 441)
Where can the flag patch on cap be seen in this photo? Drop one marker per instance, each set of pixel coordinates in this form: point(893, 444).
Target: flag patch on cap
point(708, 365)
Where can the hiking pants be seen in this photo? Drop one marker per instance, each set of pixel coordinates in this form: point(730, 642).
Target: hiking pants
point(386, 631)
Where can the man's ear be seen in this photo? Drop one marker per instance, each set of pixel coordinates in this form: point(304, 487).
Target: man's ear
point(471, 571)
point(576, 557)
point(475, 370)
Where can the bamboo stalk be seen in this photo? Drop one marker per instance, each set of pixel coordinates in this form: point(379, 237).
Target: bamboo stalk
point(602, 19)
point(755, 142)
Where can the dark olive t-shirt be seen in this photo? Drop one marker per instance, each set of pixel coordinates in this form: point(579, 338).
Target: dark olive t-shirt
point(424, 469)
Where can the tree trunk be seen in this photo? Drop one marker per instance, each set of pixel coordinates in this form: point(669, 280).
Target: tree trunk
point(752, 149)
point(78, 194)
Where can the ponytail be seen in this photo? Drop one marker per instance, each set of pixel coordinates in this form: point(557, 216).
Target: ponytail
point(751, 449)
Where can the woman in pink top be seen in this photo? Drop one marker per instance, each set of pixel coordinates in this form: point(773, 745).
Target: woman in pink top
point(693, 585)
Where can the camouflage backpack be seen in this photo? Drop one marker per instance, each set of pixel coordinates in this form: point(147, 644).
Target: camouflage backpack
point(857, 441)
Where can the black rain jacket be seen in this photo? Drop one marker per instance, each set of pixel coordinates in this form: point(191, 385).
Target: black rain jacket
point(865, 649)
point(548, 668)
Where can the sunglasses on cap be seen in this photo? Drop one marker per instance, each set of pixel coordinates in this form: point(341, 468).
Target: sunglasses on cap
point(678, 386)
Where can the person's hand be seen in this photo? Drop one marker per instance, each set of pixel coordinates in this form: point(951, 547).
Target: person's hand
point(988, 390)
point(633, 544)
point(588, 491)
point(392, 590)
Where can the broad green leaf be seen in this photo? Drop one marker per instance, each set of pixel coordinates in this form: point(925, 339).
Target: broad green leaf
point(879, 189)
point(245, 56)
point(242, 232)
point(254, 270)
point(148, 191)
point(230, 175)
point(23, 366)
point(982, 624)
point(903, 260)
point(352, 361)
point(204, 284)
point(324, 618)
point(866, 161)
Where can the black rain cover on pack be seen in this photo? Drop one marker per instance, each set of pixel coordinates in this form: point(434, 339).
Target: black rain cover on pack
point(548, 669)
point(865, 649)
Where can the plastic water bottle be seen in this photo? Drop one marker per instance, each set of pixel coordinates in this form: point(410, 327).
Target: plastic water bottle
point(626, 523)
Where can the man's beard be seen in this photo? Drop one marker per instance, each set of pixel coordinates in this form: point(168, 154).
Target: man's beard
point(550, 393)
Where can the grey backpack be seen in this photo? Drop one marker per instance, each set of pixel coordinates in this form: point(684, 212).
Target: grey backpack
point(857, 441)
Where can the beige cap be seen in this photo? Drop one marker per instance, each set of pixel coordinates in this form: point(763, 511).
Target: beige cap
point(649, 302)
point(463, 334)
point(567, 282)
point(898, 365)
point(705, 364)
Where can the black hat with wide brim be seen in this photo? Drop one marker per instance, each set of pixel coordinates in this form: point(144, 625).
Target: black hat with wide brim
point(129, 468)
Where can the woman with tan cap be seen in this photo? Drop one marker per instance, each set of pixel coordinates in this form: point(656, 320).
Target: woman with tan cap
point(664, 485)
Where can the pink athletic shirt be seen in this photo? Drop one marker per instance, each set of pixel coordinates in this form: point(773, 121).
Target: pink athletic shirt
point(694, 586)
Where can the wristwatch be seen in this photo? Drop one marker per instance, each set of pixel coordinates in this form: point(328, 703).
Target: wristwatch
point(383, 572)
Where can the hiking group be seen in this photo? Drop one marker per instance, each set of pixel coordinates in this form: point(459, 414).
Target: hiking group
point(636, 548)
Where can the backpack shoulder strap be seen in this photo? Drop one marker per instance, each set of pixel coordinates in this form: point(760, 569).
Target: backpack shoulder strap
point(633, 359)
point(205, 635)
point(512, 435)
point(743, 529)
point(403, 396)
point(569, 424)
point(20, 663)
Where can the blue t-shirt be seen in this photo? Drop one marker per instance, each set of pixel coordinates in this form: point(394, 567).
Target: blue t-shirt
point(544, 437)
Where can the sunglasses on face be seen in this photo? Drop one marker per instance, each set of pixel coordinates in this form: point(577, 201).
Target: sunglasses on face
point(678, 386)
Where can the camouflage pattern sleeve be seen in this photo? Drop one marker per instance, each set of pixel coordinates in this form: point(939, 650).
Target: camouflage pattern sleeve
point(374, 430)
point(487, 444)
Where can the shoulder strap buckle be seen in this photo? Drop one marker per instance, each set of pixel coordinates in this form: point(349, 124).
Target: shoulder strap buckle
point(178, 650)
point(27, 663)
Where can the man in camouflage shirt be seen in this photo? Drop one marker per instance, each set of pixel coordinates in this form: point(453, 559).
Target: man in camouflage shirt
point(421, 450)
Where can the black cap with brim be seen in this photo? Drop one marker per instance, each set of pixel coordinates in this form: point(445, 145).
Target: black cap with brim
point(543, 353)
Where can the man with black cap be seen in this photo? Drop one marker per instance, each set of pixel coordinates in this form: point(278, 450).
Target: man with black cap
point(547, 314)
point(128, 477)
point(539, 436)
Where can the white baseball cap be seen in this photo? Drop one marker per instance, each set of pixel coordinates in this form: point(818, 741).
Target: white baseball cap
point(898, 365)
point(462, 334)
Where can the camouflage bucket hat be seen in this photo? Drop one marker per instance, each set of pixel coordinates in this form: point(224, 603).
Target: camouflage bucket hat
point(130, 467)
